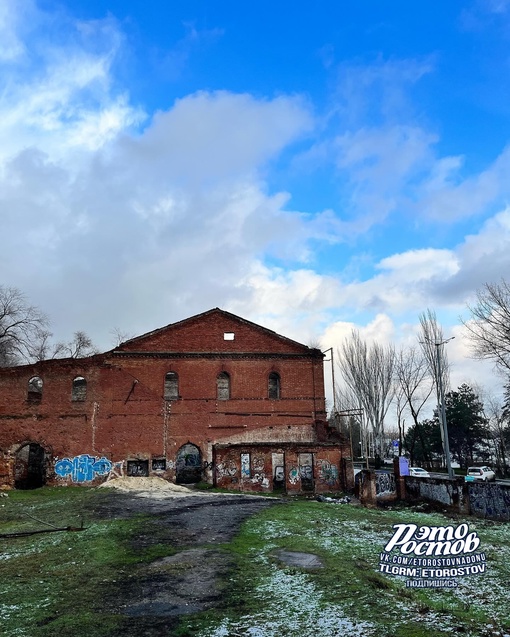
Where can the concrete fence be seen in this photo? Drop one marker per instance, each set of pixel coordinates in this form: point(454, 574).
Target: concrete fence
point(490, 500)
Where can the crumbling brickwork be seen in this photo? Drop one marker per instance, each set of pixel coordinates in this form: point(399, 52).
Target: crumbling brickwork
point(157, 404)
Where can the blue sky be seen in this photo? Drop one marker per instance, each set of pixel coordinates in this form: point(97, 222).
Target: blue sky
point(311, 167)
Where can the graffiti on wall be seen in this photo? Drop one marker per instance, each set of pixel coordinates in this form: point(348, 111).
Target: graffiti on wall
point(83, 468)
point(293, 475)
point(227, 469)
point(438, 492)
point(385, 483)
point(245, 465)
point(490, 500)
point(327, 473)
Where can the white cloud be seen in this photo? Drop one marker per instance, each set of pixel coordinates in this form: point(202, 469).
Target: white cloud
point(61, 98)
point(111, 217)
point(447, 197)
point(380, 330)
point(12, 15)
point(210, 137)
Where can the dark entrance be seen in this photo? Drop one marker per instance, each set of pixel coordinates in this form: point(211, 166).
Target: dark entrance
point(278, 472)
point(188, 464)
point(306, 471)
point(30, 467)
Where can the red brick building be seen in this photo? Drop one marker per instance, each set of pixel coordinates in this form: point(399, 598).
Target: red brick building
point(213, 397)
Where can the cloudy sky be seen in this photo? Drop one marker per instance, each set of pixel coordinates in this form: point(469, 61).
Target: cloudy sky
point(312, 167)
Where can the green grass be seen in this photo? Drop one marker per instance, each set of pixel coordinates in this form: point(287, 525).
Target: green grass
point(57, 583)
point(349, 596)
point(65, 583)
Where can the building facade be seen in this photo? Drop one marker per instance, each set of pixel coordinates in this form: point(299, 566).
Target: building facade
point(213, 397)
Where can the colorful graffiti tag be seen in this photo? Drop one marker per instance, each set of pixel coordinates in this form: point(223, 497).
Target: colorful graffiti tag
point(327, 472)
point(227, 469)
point(293, 475)
point(245, 465)
point(83, 468)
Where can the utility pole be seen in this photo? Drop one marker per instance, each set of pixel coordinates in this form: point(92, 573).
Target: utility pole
point(330, 349)
point(442, 410)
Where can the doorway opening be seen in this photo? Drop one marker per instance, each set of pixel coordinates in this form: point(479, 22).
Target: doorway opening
point(188, 464)
point(30, 467)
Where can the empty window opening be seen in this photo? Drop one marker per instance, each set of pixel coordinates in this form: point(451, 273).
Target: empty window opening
point(223, 386)
point(274, 386)
point(171, 386)
point(159, 464)
point(137, 468)
point(228, 336)
point(79, 392)
point(35, 388)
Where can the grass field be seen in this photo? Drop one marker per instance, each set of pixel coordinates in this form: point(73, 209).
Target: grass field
point(58, 583)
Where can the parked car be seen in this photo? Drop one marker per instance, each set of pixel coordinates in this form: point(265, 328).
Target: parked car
point(418, 472)
point(480, 474)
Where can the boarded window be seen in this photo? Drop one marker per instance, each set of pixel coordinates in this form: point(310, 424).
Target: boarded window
point(35, 387)
point(79, 391)
point(274, 386)
point(171, 386)
point(245, 465)
point(223, 386)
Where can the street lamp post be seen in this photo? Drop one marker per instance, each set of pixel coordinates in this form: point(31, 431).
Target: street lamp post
point(442, 410)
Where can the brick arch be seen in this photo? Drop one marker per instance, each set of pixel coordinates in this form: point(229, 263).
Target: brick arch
point(188, 464)
point(30, 466)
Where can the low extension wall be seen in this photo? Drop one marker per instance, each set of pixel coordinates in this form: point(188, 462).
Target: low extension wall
point(450, 493)
point(489, 500)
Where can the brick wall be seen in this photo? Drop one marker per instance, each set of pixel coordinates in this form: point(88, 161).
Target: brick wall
point(124, 416)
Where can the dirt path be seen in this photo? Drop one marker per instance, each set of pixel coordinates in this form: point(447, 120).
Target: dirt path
point(153, 597)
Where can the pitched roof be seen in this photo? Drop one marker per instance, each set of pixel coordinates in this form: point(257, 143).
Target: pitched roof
point(221, 319)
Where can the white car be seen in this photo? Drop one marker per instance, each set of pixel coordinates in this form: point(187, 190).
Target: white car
point(477, 474)
point(418, 472)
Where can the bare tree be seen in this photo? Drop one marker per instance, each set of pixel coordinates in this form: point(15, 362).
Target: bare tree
point(119, 336)
point(433, 344)
point(494, 412)
point(24, 336)
point(489, 326)
point(431, 339)
point(368, 373)
point(412, 371)
point(79, 347)
point(21, 325)
point(348, 419)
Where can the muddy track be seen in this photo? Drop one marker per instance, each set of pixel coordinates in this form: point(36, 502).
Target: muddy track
point(152, 598)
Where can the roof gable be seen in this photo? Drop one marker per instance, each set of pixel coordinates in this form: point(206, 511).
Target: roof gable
point(214, 331)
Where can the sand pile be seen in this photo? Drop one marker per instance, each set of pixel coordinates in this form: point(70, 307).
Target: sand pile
point(152, 486)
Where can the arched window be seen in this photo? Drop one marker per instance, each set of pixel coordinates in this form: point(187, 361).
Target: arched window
point(79, 392)
point(273, 388)
point(35, 387)
point(171, 386)
point(223, 386)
